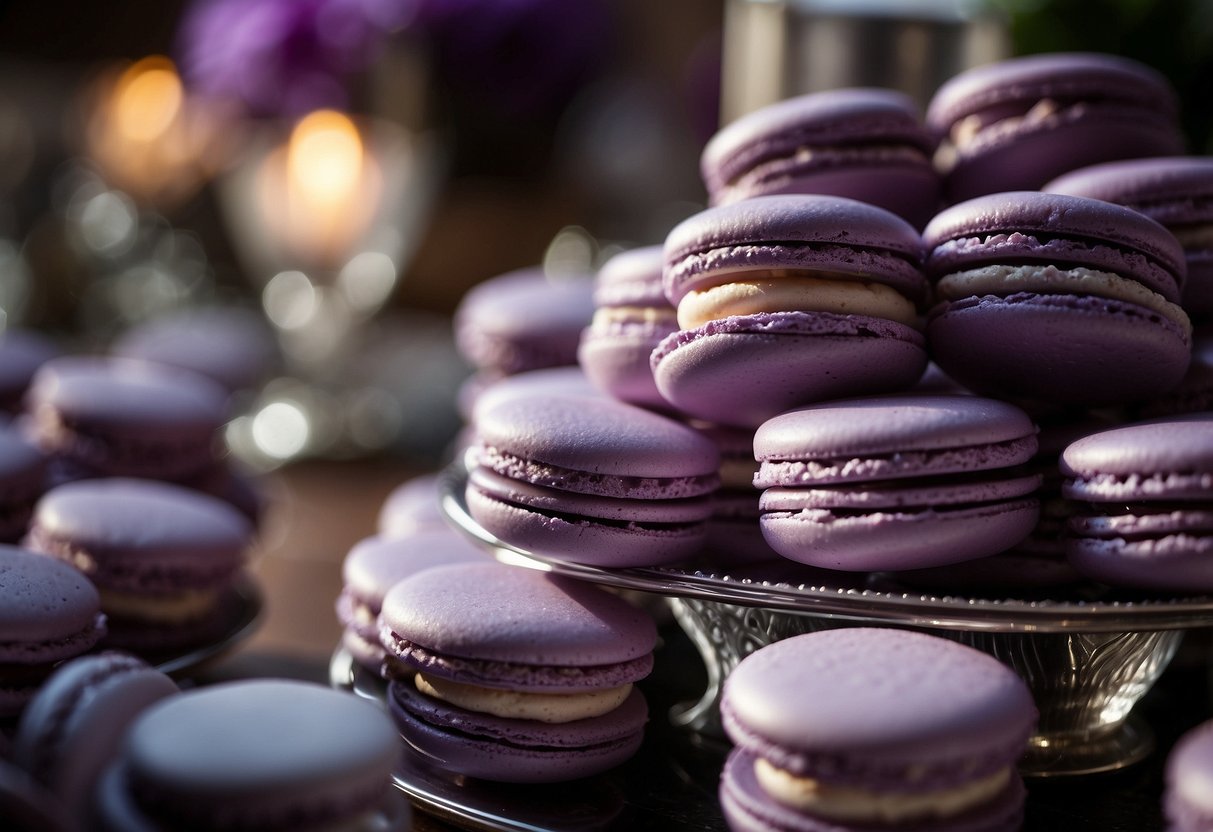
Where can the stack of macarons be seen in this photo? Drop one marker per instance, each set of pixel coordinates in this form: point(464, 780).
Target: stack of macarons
point(869, 728)
point(515, 675)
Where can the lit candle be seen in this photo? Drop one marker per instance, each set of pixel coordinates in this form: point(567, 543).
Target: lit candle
point(147, 137)
point(320, 191)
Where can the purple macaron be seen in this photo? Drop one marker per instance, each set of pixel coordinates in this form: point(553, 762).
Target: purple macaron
point(523, 320)
point(734, 535)
point(22, 481)
point(632, 317)
point(787, 300)
point(121, 417)
point(376, 564)
point(896, 482)
point(1176, 191)
point(865, 728)
point(1056, 298)
point(536, 686)
point(1145, 504)
point(865, 144)
point(1188, 798)
point(412, 506)
point(234, 347)
point(1016, 124)
point(266, 754)
point(50, 613)
point(591, 480)
point(161, 555)
point(74, 725)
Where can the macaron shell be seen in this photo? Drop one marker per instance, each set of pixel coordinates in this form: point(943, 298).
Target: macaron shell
point(74, 725)
point(376, 564)
point(597, 440)
point(462, 750)
point(580, 625)
point(1067, 349)
point(822, 233)
point(879, 426)
point(632, 278)
point(256, 752)
point(954, 704)
point(585, 540)
point(411, 506)
point(895, 540)
point(1175, 563)
point(1171, 190)
point(748, 809)
point(1164, 446)
point(741, 371)
point(50, 610)
point(616, 360)
point(1044, 227)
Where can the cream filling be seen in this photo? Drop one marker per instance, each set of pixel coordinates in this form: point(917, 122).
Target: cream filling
point(508, 704)
point(170, 609)
point(1006, 280)
point(848, 804)
point(607, 315)
point(845, 296)
point(965, 131)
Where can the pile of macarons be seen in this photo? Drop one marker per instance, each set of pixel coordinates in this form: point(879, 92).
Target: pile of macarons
point(891, 326)
point(124, 524)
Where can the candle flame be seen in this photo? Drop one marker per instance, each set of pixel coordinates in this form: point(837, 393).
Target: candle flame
point(324, 158)
point(147, 99)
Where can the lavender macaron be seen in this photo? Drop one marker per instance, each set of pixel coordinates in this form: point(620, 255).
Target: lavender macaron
point(787, 300)
point(591, 480)
point(1145, 504)
point(121, 417)
point(631, 318)
point(1016, 124)
point(266, 754)
point(50, 613)
point(515, 675)
point(74, 725)
point(376, 564)
point(1176, 191)
point(1056, 298)
point(863, 143)
point(161, 555)
point(865, 728)
point(896, 482)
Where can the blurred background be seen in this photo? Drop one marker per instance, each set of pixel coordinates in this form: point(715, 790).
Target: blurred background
point(340, 172)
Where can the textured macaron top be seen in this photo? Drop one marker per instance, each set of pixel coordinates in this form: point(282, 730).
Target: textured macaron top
point(881, 437)
point(631, 278)
point(793, 232)
point(587, 439)
point(1016, 84)
point(128, 396)
point(851, 700)
point(1172, 190)
point(494, 612)
point(260, 752)
point(45, 600)
point(1170, 458)
point(1063, 230)
point(861, 116)
point(374, 565)
point(523, 320)
point(119, 519)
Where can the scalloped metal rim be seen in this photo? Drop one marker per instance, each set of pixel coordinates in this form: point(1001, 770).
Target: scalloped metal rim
point(861, 605)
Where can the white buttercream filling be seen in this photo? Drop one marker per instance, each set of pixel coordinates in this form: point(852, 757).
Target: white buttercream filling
point(1006, 280)
point(169, 609)
point(966, 131)
point(844, 803)
point(844, 295)
point(508, 704)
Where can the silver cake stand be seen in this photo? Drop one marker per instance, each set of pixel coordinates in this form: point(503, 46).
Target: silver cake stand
point(1086, 661)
